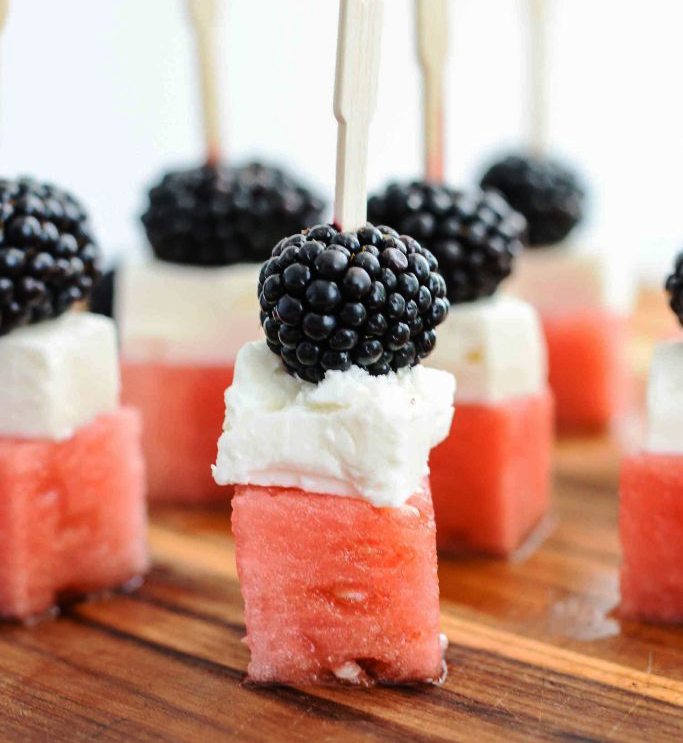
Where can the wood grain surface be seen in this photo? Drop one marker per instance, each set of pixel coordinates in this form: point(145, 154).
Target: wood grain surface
point(537, 649)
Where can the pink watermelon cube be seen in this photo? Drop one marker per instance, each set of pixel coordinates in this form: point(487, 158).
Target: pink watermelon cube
point(182, 413)
point(72, 515)
point(651, 530)
point(337, 590)
point(587, 367)
point(491, 477)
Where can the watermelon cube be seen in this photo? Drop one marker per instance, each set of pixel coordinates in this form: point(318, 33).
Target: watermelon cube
point(182, 412)
point(491, 477)
point(584, 297)
point(651, 530)
point(336, 589)
point(587, 367)
point(72, 514)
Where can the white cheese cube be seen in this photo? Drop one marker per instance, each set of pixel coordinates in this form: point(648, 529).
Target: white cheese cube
point(494, 347)
point(172, 313)
point(558, 279)
point(57, 376)
point(665, 399)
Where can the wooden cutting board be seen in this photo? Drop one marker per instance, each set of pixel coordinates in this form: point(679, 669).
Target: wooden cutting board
point(537, 650)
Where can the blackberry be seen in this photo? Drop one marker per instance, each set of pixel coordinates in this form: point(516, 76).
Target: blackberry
point(548, 195)
point(674, 288)
point(330, 299)
point(216, 215)
point(474, 236)
point(102, 295)
point(48, 258)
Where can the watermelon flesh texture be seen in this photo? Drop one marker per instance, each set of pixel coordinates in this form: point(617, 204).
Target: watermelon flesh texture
point(491, 477)
point(336, 590)
point(182, 411)
point(651, 531)
point(586, 368)
point(72, 515)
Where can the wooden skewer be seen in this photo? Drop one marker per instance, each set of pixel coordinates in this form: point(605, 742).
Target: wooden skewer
point(538, 126)
point(203, 16)
point(355, 99)
point(431, 18)
point(4, 6)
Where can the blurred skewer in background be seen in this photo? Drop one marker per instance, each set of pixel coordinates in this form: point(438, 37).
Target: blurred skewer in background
point(185, 310)
point(432, 50)
point(583, 294)
point(203, 19)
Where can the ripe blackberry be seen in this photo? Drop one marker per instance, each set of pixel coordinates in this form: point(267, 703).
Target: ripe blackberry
point(48, 258)
point(216, 215)
point(331, 299)
point(674, 288)
point(474, 236)
point(548, 195)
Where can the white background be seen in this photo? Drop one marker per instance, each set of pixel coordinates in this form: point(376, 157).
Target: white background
point(99, 96)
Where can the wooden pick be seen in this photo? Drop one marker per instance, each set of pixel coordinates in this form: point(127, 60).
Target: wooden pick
point(355, 99)
point(431, 17)
point(4, 6)
point(203, 16)
point(538, 26)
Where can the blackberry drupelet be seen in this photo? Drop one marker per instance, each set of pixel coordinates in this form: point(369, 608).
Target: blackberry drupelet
point(548, 195)
point(216, 215)
point(48, 258)
point(474, 236)
point(674, 288)
point(330, 299)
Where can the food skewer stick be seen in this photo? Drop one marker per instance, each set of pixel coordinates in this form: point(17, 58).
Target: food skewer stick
point(538, 60)
point(4, 6)
point(431, 18)
point(203, 17)
point(355, 100)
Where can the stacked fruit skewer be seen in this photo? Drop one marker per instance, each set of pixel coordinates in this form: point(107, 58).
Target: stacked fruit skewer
point(184, 314)
point(328, 430)
point(491, 477)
